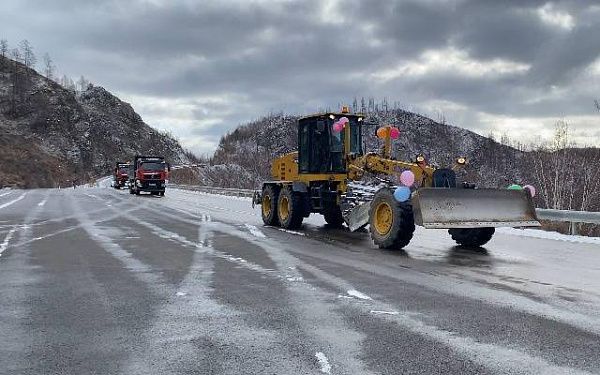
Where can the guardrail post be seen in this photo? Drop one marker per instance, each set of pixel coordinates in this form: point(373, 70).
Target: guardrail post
point(573, 229)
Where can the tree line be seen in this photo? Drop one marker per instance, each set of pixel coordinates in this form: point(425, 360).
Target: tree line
point(23, 53)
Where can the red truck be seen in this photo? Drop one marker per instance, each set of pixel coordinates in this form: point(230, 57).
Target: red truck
point(149, 174)
point(121, 175)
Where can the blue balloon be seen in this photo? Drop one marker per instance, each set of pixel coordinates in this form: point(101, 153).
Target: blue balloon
point(402, 193)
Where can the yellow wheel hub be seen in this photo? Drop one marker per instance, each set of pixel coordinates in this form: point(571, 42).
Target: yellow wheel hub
point(384, 218)
point(266, 205)
point(284, 208)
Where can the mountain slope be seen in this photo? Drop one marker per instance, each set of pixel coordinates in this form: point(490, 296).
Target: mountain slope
point(51, 136)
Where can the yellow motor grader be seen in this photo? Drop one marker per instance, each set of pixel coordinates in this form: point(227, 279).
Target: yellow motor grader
point(324, 176)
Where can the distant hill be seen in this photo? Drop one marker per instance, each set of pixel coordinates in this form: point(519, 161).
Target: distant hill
point(50, 135)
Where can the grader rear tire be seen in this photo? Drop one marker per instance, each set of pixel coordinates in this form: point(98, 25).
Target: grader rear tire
point(472, 237)
point(392, 223)
point(289, 209)
point(269, 205)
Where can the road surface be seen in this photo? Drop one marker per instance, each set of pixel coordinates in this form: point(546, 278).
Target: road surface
point(97, 281)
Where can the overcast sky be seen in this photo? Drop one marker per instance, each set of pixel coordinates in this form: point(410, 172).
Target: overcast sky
point(200, 68)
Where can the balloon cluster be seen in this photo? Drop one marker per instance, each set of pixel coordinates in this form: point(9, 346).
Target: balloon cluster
point(339, 125)
point(529, 188)
point(402, 193)
point(392, 131)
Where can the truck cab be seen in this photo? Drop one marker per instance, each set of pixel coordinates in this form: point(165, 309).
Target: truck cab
point(148, 174)
point(121, 175)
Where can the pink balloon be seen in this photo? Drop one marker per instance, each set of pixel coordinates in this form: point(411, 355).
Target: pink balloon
point(394, 133)
point(407, 178)
point(344, 120)
point(337, 127)
point(530, 189)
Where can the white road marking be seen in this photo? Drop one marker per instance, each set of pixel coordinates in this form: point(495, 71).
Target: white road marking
point(255, 231)
point(13, 201)
point(381, 312)
point(43, 202)
point(359, 295)
point(181, 294)
point(325, 366)
point(3, 194)
point(7, 239)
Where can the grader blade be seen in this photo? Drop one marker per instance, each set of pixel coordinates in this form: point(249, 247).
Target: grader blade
point(473, 208)
point(358, 217)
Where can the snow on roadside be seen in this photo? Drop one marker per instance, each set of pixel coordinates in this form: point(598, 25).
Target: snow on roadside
point(255, 231)
point(535, 233)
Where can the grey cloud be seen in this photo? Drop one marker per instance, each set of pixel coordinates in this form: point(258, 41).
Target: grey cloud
point(267, 56)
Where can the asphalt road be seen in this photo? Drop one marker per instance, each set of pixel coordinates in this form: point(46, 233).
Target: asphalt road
point(97, 281)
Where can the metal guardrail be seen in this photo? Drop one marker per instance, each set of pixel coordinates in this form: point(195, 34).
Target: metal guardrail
point(566, 216)
point(217, 190)
point(572, 217)
point(569, 216)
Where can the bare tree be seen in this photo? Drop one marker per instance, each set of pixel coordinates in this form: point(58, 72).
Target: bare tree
point(16, 76)
point(3, 50)
point(554, 171)
point(29, 58)
point(597, 104)
point(3, 47)
point(49, 67)
point(68, 83)
point(82, 84)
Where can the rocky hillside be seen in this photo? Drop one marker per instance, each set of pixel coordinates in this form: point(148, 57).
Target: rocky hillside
point(50, 136)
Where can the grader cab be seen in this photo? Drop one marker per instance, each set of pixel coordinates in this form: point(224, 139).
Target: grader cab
point(324, 176)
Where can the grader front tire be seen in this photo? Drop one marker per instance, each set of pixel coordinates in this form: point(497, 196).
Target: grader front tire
point(391, 222)
point(472, 237)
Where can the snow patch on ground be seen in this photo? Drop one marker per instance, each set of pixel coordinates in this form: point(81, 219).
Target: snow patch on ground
point(292, 232)
point(255, 231)
point(325, 366)
point(359, 295)
point(381, 312)
point(42, 203)
point(534, 233)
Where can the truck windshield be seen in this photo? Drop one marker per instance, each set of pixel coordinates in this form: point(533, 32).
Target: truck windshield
point(123, 170)
point(153, 166)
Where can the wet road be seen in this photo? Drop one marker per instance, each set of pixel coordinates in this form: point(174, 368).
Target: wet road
point(96, 281)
